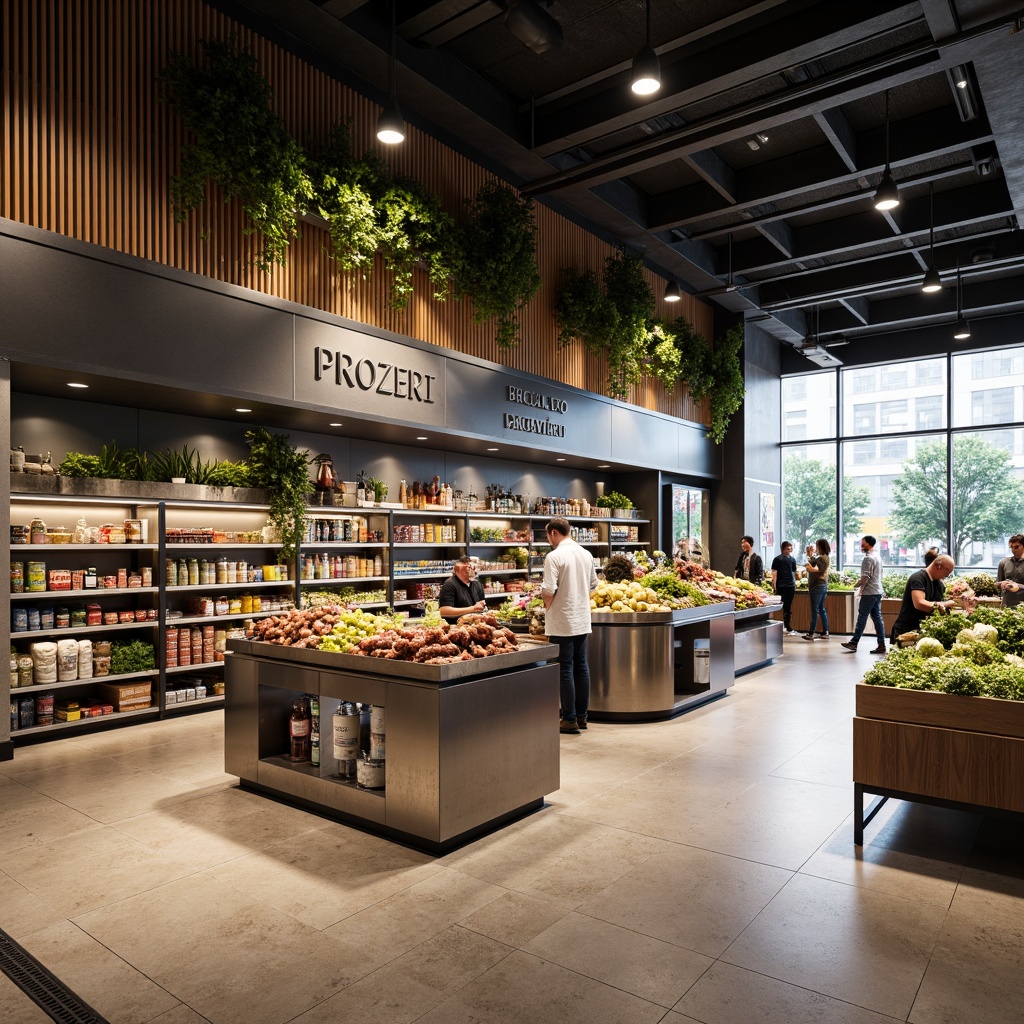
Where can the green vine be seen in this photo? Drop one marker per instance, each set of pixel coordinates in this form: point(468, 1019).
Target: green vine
point(240, 144)
point(283, 470)
point(583, 311)
point(498, 260)
point(631, 297)
point(728, 389)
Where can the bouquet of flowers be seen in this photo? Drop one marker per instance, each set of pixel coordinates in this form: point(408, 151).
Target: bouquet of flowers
point(960, 591)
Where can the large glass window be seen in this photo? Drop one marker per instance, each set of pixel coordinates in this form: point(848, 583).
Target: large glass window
point(809, 495)
point(988, 387)
point(909, 396)
point(809, 406)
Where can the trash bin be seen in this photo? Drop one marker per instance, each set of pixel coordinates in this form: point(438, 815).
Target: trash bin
point(702, 662)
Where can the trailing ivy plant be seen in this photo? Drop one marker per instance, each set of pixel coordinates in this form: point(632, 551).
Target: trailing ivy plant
point(631, 296)
point(678, 352)
point(283, 470)
point(497, 267)
point(583, 311)
point(241, 144)
point(728, 388)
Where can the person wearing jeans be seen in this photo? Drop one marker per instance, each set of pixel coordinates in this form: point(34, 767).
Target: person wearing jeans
point(784, 573)
point(817, 567)
point(870, 584)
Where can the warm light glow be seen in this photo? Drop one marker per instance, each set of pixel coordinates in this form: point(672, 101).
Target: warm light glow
point(243, 410)
point(334, 424)
point(422, 438)
point(932, 282)
point(75, 384)
point(646, 77)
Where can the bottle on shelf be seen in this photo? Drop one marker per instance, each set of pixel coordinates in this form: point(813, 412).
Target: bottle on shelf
point(402, 494)
point(299, 728)
point(314, 731)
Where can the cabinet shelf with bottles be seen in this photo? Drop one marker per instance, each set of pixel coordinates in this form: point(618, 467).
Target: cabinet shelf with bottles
point(62, 728)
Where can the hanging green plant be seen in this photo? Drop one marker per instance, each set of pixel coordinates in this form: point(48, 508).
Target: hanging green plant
point(728, 389)
point(583, 311)
point(498, 259)
point(240, 144)
point(665, 358)
point(678, 352)
point(631, 296)
point(283, 470)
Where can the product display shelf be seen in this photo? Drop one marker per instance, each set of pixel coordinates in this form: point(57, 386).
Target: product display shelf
point(195, 705)
point(97, 548)
point(399, 578)
point(431, 544)
point(409, 602)
point(115, 718)
point(343, 580)
point(192, 587)
point(78, 595)
point(90, 631)
point(177, 670)
point(200, 620)
point(343, 545)
point(498, 544)
point(67, 684)
point(180, 547)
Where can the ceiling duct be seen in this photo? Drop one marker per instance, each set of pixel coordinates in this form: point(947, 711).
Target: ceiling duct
point(533, 26)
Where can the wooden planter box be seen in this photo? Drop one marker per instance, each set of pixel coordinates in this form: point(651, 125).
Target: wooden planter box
point(938, 747)
point(838, 606)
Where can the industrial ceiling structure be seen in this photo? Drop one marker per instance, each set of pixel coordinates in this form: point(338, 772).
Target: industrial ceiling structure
point(749, 177)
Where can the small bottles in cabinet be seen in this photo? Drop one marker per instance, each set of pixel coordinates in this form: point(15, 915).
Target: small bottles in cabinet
point(323, 566)
point(426, 533)
point(197, 572)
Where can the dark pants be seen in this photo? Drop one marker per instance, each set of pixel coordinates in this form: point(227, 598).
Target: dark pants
point(787, 594)
point(818, 595)
point(870, 605)
point(574, 676)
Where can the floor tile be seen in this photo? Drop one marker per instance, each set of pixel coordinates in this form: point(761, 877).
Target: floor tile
point(23, 911)
point(826, 761)
point(17, 1008)
point(522, 989)
point(729, 995)
point(514, 918)
point(856, 945)
point(180, 1014)
point(692, 898)
point(28, 819)
point(650, 968)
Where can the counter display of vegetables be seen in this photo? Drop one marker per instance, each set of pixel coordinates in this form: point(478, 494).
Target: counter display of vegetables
point(631, 597)
point(297, 628)
point(517, 608)
point(984, 585)
point(137, 656)
point(472, 636)
point(894, 583)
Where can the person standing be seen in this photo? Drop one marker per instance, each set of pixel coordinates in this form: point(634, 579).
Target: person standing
point(569, 580)
point(923, 593)
point(1010, 573)
point(870, 584)
point(784, 573)
point(462, 592)
point(750, 566)
point(817, 567)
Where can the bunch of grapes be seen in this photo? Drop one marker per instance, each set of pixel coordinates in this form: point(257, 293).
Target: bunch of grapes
point(351, 627)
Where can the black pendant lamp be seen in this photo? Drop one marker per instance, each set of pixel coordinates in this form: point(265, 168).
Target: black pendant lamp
point(932, 281)
point(672, 293)
point(391, 124)
point(962, 331)
point(646, 77)
point(887, 196)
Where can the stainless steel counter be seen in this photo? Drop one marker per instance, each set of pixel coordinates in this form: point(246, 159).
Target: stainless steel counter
point(465, 754)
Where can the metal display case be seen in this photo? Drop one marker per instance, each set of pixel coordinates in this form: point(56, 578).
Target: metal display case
point(470, 746)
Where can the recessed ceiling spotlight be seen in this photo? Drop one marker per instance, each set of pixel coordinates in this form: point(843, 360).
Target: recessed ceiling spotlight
point(422, 437)
point(334, 424)
point(559, 460)
point(494, 449)
point(243, 410)
point(75, 384)
point(605, 466)
point(961, 83)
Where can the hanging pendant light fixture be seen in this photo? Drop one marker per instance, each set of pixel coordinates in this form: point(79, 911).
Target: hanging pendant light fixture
point(391, 124)
point(962, 331)
point(932, 281)
point(887, 196)
point(672, 292)
point(646, 77)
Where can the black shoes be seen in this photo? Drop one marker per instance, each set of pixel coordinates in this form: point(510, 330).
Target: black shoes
point(565, 725)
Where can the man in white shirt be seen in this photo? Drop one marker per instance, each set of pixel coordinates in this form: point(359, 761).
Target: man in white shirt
point(569, 580)
point(870, 584)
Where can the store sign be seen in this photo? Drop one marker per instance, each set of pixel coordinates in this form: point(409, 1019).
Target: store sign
point(349, 371)
point(541, 400)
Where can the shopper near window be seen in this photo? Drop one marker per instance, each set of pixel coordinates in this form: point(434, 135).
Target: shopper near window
point(784, 576)
point(930, 555)
point(569, 580)
point(462, 592)
point(870, 586)
point(749, 567)
point(923, 593)
point(1010, 573)
point(817, 567)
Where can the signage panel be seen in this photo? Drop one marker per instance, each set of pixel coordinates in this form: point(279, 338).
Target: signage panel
point(342, 369)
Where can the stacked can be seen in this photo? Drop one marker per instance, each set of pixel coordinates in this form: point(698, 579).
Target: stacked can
point(172, 647)
point(184, 647)
point(370, 769)
point(197, 645)
point(208, 645)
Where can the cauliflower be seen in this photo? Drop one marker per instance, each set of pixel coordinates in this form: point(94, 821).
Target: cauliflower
point(967, 636)
point(929, 647)
point(983, 631)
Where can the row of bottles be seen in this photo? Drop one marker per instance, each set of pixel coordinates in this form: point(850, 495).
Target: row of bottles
point(337, 567)
point(424, 495)
point(357, 739)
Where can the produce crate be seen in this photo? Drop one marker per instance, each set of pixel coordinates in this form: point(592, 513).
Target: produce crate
point(127, 696)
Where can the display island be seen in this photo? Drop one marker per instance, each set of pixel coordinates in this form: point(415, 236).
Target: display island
point(470, 745)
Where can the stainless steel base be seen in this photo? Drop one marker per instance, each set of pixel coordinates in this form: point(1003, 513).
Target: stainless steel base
point(758, 641)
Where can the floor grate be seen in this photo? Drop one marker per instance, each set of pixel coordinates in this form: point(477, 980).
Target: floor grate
point(56, 1000)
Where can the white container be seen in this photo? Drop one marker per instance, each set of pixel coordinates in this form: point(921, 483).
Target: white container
point(85, 659)
point(44, 662)
point(67, 660)
point(377, 718)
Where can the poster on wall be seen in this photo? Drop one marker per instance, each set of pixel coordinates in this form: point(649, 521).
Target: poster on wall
point(767, 521)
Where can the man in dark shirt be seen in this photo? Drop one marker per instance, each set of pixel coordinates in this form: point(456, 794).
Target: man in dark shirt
point(922, 595)
point(749, 567)
point(1010, 573)
point(461, 593)
point(784, 582)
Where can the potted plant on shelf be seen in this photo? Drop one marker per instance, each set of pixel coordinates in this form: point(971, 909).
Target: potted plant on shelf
point(378, 487)
point(284, 471)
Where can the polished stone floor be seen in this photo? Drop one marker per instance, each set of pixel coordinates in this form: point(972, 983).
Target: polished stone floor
point(701, 869)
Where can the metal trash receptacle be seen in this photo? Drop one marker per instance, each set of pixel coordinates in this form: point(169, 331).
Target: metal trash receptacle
point(702, 662)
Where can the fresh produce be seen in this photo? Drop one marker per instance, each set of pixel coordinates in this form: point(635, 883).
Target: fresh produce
point(929, 647)
point(894, 584)
point(614, 500)
point(517, 607)
point(627, 597)
point(984, 585)
point(472, 636)
point(665, 584)
point(350, 628)
point(618, 568)
point(943, 628)
point(137, 656)
point(298, 628)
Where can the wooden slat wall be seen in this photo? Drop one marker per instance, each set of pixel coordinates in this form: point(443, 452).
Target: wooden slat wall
point(88, 150)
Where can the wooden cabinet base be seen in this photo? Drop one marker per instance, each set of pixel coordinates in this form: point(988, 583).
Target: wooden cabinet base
point(937, 746)
point(838, 607)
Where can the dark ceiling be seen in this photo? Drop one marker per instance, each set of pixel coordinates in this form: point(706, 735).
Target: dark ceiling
point(684, 177)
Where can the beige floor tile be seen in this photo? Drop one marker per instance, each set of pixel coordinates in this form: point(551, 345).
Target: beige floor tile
point(180, 1014)
point(692, 898)
point(730, 995)
point(827, 761)
point(997, 847)
point(16, 1007)
point(916, 852)
point(514, 918)
point(393, 926)
point(113, 988)
point(654, 970)
point(100, 868)
point(523, 989)
point(23, 911)
point(190, 762)
point(415, 983)
point(856, 945)
point(324, 876)
point(237, 963)
point(28, 819)
point(775, 821)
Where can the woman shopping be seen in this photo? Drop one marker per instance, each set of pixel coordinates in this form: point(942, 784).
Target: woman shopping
point(817, 567)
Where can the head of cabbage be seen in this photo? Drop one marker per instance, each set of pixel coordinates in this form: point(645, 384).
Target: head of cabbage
point(929, 647)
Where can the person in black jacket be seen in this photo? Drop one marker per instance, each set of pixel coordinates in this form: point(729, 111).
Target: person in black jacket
point(749, 567)
point(784, 574)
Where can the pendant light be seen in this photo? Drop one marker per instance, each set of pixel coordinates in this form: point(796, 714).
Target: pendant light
point(887, 196)
point(962, 331)
point(672, 292)
point(391, 124)
point(932, 281)
point(646, 77)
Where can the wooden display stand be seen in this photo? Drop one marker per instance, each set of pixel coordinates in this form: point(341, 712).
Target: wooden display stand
point(965, 752)
point(838, 607)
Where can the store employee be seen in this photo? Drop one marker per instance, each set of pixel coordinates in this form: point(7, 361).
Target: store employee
point(461, 593)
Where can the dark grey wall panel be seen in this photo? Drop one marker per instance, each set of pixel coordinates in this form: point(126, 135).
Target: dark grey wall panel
point(644, 440)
